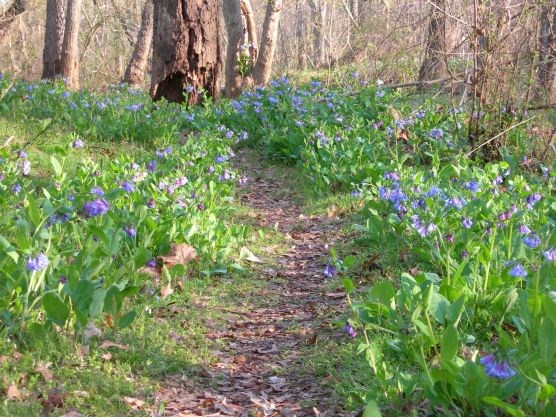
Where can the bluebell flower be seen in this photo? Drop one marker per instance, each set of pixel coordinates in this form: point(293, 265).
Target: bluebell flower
point(330, 271)
point(436, 133)
point(151, 263)
point(97, 191)
point(130, 231)
point(21, 154)
point(524, 230)
point(518, 271)
point(533, 199)
point(391, 176)
point(472, 186)
point(150, 203)
point(37, 263)
point(128, 187)
point(221, 158)
point(349, 330)
point(495, 369)
point(420, 114)
point(77, 144)
point(151, 166)
point(96, 207)
point(550, 254)
point(466, 222)
point(16, 188)
point(532, 240)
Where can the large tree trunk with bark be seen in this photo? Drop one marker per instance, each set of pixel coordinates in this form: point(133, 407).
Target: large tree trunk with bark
point(547, 53)
point(16, 8)
point(53, 37)
point(135, 71)
point(434, 62)
point(186, 50)
point(69, 62)
point(263, 67)
point(234, 27)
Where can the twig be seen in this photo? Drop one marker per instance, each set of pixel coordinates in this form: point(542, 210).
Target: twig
point(498, 135)
point(422, 83)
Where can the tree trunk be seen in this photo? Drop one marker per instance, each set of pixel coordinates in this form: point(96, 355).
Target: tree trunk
point(251, 27)
point(186, 50)
point(434, 62)
point(355, 10)
point(17, 7)
point(135, 71)
point(69, 62)
point(263, 67)
point(319, 11)
point(300, 33)
point(234, 27)
point(53, 37)
point(547, 54)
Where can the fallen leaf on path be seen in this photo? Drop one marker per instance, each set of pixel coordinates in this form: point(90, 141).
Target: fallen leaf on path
point(13, 393)
point(246, 254)
point(106, 356)
point(134, 403)
point(166, 290)
point(180, 253)
point(91, 331)
point(108, 344)
point(42, 368)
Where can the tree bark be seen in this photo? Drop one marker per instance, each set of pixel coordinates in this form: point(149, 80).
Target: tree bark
point(186, 50)
point(135, 71)
point(300, 34)
point(263, 67)
point(17, 7)
point(69, 62)
point(319, 11)
point(53, 37)
point(547, 53)
point(434, 62)
point(251, 27)
point(234, 27)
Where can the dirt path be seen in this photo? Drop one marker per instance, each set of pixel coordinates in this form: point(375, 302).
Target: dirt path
point(259, 369)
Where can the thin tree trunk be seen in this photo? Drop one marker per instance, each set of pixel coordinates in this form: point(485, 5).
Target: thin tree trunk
point(135, 71)
point(53, 37)
point(69, 63)
point(263, 67)
point(251, 27)
point(234, 27)
point(17, 7)
point(186, 50)
point(300, 33)
point(547, 54)
point(434, 62)
point(319, 43)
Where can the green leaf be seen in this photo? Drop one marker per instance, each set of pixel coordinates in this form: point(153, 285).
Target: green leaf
point(439, 307)
point(349, 286)
point(141, 257)
point(371, 410)
point(97, 303)
point(508, 408)
point(454, 312)
point(550, 308)
point(127, 319)
point(56, 310)
point(56, 166)
point(449, 343)
point(349, 261)
point(384, 293)
point(547, 340)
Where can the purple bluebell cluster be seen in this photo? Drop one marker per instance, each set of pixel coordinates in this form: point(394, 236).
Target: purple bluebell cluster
point(330, 270)
point(96, 207)
point(37, 263)
point(496, 369)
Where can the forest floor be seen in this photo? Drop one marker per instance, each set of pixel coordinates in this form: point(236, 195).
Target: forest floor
point(261, 350)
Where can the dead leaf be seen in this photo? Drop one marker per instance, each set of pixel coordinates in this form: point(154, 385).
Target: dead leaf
point(134, 403)
point(106, 356)
point(92, 331)
point(42, 368)
point(13, 393)
point(333, 211)
point(180, 253)
point(166, 291)
point(153, 273)
point(108, 344)
point(246, 254)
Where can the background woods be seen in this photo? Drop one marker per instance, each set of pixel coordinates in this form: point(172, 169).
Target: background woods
point(398, 41)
